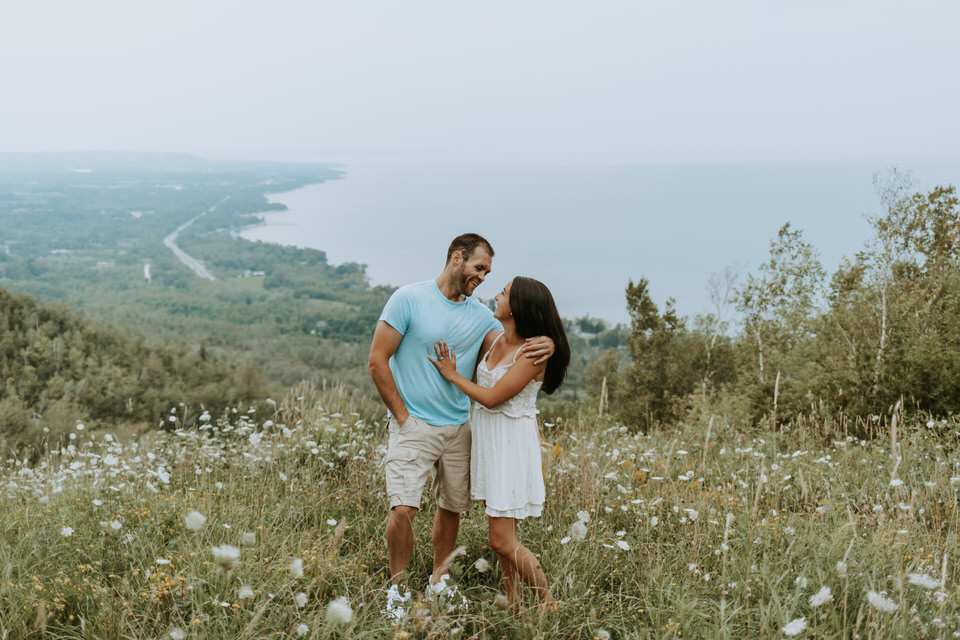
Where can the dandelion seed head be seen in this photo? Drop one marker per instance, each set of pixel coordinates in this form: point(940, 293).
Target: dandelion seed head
point(226, 556)
point(795, 627)
point(821, 597)
point(923, 580)
point(194, 520)
point(881, 603)
point(578, 530)
point(295, 568)
point(339, 611)
point(481, 565)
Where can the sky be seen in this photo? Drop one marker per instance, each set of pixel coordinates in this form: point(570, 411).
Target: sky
point(596, 81)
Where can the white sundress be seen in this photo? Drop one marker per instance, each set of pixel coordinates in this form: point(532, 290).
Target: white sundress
point(506, 469)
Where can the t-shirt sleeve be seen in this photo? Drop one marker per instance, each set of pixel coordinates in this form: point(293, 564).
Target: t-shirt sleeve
point(398, 311)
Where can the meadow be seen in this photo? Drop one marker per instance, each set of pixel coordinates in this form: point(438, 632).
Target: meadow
point(258, 524)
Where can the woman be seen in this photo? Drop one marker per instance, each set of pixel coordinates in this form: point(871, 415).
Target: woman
point(505, 466)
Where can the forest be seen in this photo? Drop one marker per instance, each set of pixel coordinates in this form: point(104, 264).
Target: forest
point(788, 341)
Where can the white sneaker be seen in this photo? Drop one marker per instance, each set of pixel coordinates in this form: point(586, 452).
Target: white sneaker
point(446, 593)
point(395, 607)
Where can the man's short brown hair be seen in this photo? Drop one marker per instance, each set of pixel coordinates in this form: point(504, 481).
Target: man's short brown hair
point(466, 244)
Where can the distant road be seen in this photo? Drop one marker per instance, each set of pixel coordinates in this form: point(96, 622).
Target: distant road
point(185, 258)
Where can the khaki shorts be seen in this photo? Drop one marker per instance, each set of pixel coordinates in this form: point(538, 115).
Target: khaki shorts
point(415, 448)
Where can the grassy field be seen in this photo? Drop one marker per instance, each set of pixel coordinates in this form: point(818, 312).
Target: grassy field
point(699, 531)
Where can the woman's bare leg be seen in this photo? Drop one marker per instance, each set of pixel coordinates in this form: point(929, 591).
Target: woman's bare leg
point(516, 561)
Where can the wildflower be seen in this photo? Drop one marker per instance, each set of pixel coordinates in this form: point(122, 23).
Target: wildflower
point(226, 556)
point(801, 581)
point(693, 514)
point(295, 568)
point(583, 516)
point(482, 565)
point(896, 482)
point(795, 627)
point(194, 520)
point(302, 630)
point(66, 532)
point(841, 568)
point(601, 634)
point(177, 634)
point(623, 545)
point(578, 530)
point(565, 539)
point(339, 611)
point(244, 592)
point(654, 521)
point(881, 603)
point(821, 597)
point(301, 599)
point(923, 580)
point(332, 522)
point(115, 525)
point(162, 561)
point(248, 539)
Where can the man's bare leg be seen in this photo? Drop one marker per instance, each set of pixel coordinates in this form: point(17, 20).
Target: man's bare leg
point(400, 540)
point(446, 525)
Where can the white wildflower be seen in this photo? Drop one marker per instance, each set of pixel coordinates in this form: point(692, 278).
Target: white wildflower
point(896, 482)
point(654, 521)
point(693, 514)
point(601, 634)
point(881, 603)
point(841, 568)
point(923, 580)
point(623, 545)
point(226, 556)
point(115, 525)
point(801, 581)
point(248, 538)
point(301, 599)
point(578, 530)
point(821, 597)
point(194, 520)
point(244, 592)
point(177, 634)
point(482, 565)
point(339, 611)
point(66, 532)
point(295, 568)
point(332, 522)
point(302, 629)
point(162, 561)
point(583, 516)
point(795, 627)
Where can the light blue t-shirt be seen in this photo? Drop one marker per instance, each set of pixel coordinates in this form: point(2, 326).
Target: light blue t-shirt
point(425, 316)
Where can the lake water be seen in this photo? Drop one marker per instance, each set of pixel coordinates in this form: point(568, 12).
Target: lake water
point(584, 231)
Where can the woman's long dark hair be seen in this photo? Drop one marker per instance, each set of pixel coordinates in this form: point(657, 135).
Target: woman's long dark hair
point(535, 314)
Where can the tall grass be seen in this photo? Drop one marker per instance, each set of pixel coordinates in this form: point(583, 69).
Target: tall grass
point(686, 535)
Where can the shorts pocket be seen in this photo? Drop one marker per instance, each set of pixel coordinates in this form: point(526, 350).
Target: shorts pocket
point(400, 455)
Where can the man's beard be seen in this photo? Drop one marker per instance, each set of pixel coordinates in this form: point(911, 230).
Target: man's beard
point(463, 283)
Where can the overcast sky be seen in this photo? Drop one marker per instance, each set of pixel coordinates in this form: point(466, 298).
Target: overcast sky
point(593, 80)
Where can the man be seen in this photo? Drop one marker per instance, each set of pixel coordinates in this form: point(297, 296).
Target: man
point(428, 425)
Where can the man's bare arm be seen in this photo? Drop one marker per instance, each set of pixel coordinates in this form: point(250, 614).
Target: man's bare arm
point(538, 349)
point(386, 340)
